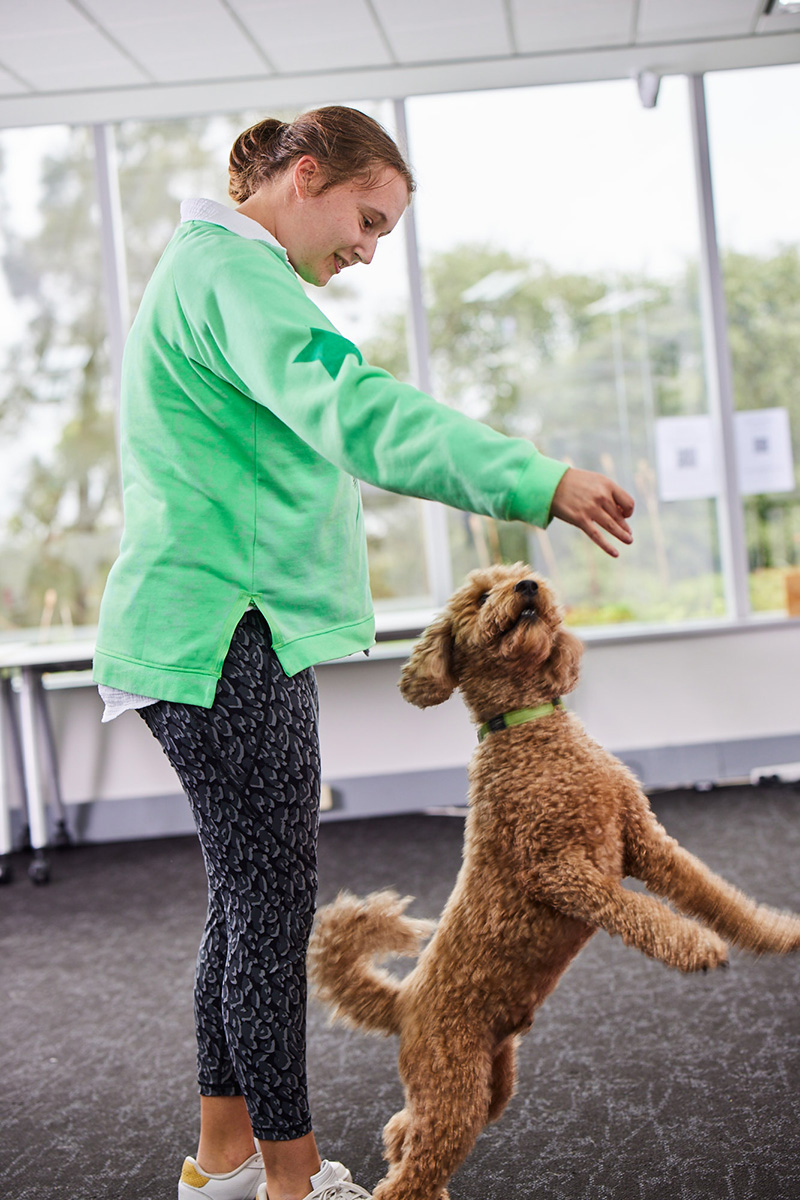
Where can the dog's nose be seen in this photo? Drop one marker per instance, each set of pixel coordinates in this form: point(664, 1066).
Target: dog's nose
point(528, 586)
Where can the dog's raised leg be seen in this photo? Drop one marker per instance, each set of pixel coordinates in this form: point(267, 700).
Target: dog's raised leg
point(574, 886)
point(670, 871)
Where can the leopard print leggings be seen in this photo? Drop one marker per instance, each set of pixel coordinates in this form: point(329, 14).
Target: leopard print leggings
point(250, 768)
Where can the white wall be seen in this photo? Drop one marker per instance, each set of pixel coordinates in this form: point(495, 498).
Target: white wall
point(639, 694)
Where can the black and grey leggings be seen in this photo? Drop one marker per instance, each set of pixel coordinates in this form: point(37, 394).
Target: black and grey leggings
point(250, 767)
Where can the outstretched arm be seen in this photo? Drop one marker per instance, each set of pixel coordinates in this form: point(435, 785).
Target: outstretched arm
point(594, 503)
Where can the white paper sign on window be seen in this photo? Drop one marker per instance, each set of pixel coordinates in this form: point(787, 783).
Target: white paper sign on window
point(764, 451)
point(685, 458)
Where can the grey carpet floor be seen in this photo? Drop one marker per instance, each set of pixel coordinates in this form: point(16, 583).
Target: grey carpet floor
point(636, 1083)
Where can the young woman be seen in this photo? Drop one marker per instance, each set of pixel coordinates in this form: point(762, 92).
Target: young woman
point(247, 420)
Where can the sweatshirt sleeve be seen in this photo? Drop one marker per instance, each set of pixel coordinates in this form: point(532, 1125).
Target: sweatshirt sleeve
point(253, 325)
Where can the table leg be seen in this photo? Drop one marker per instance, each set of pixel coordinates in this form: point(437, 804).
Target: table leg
point(34, 795)
point(62, 835)
point(5, 796)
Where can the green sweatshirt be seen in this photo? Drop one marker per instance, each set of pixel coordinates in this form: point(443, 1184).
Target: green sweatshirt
point(246, 421)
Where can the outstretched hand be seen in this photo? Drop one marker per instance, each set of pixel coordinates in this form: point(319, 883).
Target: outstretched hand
point(594, 503)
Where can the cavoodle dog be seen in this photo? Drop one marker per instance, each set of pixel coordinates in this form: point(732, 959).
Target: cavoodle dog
point(554, 825)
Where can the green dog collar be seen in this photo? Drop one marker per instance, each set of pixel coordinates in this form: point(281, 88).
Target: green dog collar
point(518, 717)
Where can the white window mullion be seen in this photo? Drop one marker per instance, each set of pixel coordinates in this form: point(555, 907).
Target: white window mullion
point(733, 546)
point(113, 251)
point(437, 544)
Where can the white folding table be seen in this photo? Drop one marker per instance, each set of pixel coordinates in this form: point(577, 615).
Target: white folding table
point(32, 741)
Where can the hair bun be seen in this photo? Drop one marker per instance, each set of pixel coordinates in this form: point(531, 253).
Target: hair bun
point(253, 155)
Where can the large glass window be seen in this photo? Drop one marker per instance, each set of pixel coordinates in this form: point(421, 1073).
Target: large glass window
point(560, 244)
point(752, 119)
point(59, 498)
point(559, 235)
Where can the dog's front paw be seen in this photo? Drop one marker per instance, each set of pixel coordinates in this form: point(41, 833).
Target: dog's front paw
point(701, 950)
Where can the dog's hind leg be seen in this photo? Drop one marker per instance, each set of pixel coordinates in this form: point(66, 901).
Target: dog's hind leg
point(434, 1145)
point(672, 872)
point(447, 1106)
point(504, 1074)
point(574, 886)
point(394, 1135)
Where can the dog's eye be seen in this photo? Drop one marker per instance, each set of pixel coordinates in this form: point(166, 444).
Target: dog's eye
point(482, 599)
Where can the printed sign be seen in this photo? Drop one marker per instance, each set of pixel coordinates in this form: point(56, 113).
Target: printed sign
point(764, 451)
point(685, 458)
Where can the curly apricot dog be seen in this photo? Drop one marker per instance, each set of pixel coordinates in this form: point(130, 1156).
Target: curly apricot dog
point(554, 824)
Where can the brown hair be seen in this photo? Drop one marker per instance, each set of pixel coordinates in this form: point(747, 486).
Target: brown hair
point(347, 144)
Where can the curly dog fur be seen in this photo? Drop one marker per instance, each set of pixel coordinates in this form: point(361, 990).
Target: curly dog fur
point(554, 825)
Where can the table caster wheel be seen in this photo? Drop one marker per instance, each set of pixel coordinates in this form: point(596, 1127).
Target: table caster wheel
point(6, 873)
point(39, 871)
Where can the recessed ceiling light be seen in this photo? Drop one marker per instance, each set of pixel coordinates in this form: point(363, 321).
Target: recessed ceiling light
point(781, 6)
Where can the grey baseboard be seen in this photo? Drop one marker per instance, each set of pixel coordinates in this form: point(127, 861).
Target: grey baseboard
point(660, 767)
point(709, 762)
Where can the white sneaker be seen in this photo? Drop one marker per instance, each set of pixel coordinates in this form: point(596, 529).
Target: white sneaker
point(241, 1184)
point(331, 1182)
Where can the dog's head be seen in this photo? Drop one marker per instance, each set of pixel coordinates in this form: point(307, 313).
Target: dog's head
point(500, 640)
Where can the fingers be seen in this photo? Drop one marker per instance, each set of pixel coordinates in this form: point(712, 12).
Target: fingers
point(594, 533)
point(596, 505)
point(592, 528)
point(623, 501)
point(601, 511)
point(613, 521)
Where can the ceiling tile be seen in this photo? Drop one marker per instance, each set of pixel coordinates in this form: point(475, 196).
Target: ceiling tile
point(314, 35)
point(663, 20)
point(116, 13)
point(173, 50)
point(56, 60)
point(544, 25)
point(201, 42)
point(419, 31)
point(10, 86)
point(51, 16)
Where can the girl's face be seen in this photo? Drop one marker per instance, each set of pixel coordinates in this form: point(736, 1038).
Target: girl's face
point(326, 232)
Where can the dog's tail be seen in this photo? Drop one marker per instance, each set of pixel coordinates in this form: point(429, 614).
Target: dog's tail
point(348, 935)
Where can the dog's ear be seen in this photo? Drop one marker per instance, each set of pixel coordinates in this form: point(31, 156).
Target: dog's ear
point(427, 678)
point(563, 664)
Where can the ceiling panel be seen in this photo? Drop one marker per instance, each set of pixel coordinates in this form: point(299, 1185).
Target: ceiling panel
point(204, 42)
point(665, 19)
point(51, 45)
point(314, 35)
point(27, 20)
point(543, 25)
point(116, 14)
point(65, 59)
point(9, 86)
point(419, 31)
